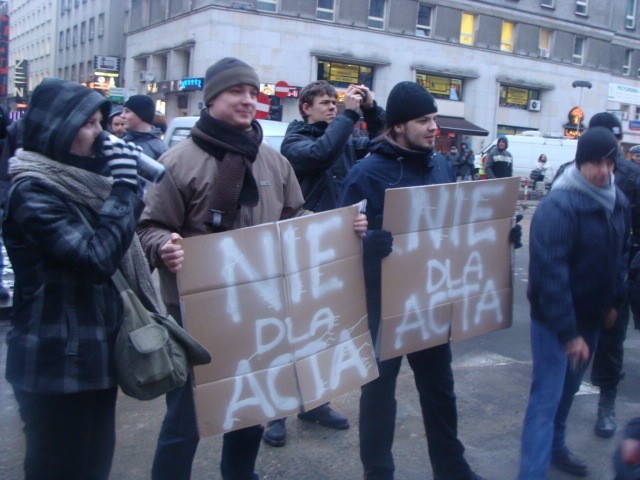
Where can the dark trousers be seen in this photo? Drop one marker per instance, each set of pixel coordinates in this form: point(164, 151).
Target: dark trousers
point(70, 436)
point(434, 381)
point(606, 371)
point(179, 437)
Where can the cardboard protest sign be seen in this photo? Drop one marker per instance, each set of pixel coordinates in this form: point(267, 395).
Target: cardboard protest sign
point(449, 275)
point(281, 307)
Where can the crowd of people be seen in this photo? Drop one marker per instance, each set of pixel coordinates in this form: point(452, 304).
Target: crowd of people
point(76, 211)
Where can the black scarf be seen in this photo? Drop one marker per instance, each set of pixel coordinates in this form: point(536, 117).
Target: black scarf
point(234, 150)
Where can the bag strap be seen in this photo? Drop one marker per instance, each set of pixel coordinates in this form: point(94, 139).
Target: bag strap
point(118, 279)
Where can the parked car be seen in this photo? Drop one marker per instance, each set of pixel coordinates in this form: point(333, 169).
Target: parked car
point(180, 127)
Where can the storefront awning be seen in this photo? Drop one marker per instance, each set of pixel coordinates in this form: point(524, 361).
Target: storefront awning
point(460, 125)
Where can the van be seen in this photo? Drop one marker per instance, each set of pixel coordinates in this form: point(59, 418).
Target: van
point(180, 127)
point(527, 147)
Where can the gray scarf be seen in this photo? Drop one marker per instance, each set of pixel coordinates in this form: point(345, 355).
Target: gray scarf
point(90, 189)
point(572, 179)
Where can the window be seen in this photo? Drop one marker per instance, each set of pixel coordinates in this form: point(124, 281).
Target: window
point(626, 67)
point(376, 13)
point(83, 32)
point(92, 28)
point(547, 3)
point(61, 41)
point(581, 7)
point(630, 21)
point(506, 40)
point(467, 29)
point(68, 38)
point(325, 10)
point(578, 50)
point(441, 87)
point(101, 24)
point(544, 43)
point(267, 5)
point(517, 97)
point(423, 25)
point(342, 75)
point(75, 35)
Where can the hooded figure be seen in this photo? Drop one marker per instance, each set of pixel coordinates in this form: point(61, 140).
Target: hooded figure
point(67, 228)
point(499, 162)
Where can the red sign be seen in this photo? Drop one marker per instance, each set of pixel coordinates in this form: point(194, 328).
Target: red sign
point(282, 89)
point(262, 109)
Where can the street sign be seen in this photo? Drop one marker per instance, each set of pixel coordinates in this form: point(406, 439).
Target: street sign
point(282, 89)
point(116, 94)
point(262, 110)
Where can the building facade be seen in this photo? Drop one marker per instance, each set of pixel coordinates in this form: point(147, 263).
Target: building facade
point(504, 66)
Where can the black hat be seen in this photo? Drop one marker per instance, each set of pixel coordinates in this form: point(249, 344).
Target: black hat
point(142, 106)
point(596, 143)
point(607, 120)
point(226, 73)
point(408, 101)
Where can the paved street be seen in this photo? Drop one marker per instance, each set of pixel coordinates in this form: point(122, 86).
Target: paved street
point(492, 381)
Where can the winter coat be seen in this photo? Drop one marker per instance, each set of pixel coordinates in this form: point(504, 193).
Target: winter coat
point(181, 202)
point(150, 142)
point(323, 153)
point(578, 261)
point(388, 166)
point(499, 163)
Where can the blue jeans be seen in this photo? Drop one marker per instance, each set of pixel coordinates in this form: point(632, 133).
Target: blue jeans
point(553, 385)
point(179, 438)
point(434, 381)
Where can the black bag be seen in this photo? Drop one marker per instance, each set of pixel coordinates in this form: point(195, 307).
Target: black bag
point(536, 175)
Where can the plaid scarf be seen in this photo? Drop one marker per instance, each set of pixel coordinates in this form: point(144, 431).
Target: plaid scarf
point(90, 189)
point(234, 150)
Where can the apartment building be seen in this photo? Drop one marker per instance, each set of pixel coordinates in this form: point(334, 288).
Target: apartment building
point(502, 66)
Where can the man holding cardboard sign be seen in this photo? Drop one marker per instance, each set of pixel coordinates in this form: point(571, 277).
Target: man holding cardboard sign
point(404, 157)
point(221, 178)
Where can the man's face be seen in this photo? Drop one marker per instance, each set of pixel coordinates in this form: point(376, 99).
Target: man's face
point(83, 141)
point(118, 126)
point(131, 120)
point(418, 134)
point(636, 157)
point(454, 150)
point(322, 109)
point(502, 144)
point(598, 172)
point(236, 106)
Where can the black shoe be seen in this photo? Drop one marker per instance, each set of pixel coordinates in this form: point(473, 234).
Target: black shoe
point(475, 476)
point(566, 461)
point(4, 293)
point(276, 433)
point(324, 415)
point(606, 424)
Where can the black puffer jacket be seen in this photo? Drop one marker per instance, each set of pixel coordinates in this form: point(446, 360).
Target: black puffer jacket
point(150, 142)
point(323, 153)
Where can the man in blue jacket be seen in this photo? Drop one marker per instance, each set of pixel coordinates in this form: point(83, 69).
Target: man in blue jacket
point(322, 150)
point(577, 273)
point(404, 156)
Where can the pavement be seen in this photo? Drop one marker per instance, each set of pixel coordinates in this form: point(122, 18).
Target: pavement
point(492, 375)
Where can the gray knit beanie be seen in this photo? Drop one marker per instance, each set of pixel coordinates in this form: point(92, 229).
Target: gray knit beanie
point(595, 144)
point(408, 101)
point(226, 73)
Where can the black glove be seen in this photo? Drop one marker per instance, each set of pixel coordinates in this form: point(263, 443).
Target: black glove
point(122, 159)
point(515, 235)
point(377, 244)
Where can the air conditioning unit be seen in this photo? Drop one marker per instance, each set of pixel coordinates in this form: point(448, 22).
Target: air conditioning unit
point(544, 53)
point(534, 105)
point(143, 76)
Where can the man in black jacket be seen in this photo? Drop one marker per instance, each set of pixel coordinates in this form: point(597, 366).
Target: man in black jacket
point(322, 150)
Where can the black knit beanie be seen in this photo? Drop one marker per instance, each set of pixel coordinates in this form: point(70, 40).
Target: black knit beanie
point(226, 73)
point(607, 120)
point(407, 101)
point(142, 106)
point(596, 143)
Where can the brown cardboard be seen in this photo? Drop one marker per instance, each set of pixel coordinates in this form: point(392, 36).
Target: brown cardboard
point(281, 307)
point(451, 256)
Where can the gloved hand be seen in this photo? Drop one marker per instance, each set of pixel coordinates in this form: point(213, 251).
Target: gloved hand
point(515, 235)
point(377, 244)
point(122, 159)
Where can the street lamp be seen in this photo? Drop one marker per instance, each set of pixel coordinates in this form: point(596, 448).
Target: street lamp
point(577, 114)
point(581, 84)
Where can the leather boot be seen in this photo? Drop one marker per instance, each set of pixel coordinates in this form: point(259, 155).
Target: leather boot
point(606, 424)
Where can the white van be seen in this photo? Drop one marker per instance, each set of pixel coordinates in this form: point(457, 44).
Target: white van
point(180, 127)
point(527, 147)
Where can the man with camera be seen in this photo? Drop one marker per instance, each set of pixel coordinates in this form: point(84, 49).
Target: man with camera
point(322, 150)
